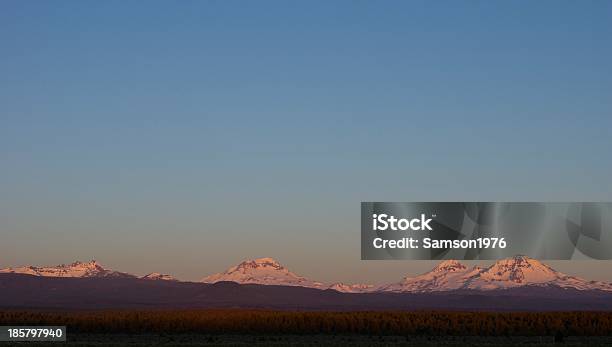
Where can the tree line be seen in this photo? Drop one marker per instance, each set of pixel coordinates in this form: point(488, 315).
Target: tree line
point(434, 323)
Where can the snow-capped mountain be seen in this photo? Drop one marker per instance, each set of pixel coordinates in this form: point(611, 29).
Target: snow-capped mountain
point(156, 276)
point(265, 271)
point(353, 288)
point(518, 271)
point(448, 275)
point(521, 271)
point(76, 269)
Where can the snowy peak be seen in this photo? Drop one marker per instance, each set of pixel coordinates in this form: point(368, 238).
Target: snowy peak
point(520, 270)
point(448, 275)
point(266, 271)
point(352, 288)
point(76, 269)
point(156, 276)
point(261, 264)
point(266, 261)
point(450, 266)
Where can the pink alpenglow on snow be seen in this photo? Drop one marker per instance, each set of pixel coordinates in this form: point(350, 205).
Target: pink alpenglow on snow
point(156, 276)
point(518, 271)
point(515, 272)
point(76, 269)
point(266, 271)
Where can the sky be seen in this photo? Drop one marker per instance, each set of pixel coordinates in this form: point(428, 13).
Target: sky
point(184, 137)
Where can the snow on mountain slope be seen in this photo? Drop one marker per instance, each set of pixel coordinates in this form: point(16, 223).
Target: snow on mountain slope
point(265, 271)
point(448, 275)
point(76, 269)
point(156, 276)
point(353, 288)
point(518, 271)
point(521, 271)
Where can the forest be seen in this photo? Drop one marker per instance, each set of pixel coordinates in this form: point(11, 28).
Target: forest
point(250, 322)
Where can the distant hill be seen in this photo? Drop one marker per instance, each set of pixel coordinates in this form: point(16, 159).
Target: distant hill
point(29, 292)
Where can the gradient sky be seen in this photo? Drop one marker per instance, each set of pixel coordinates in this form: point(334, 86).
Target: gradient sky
point(184, 137)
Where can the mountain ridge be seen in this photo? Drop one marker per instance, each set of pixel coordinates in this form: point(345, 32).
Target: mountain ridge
point(513, 272)
point(447, 276)
point(265, 271)
point(20, 291)
point(75, 269)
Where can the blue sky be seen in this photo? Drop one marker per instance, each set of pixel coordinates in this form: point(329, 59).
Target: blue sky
point(185, 137)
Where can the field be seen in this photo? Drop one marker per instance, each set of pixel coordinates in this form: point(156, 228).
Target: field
point(320, 341)
point(261, 327)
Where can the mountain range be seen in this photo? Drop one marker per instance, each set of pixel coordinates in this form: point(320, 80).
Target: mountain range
point(447, 276)
point(80, 270)
point(76, 269)
point(518, 271)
